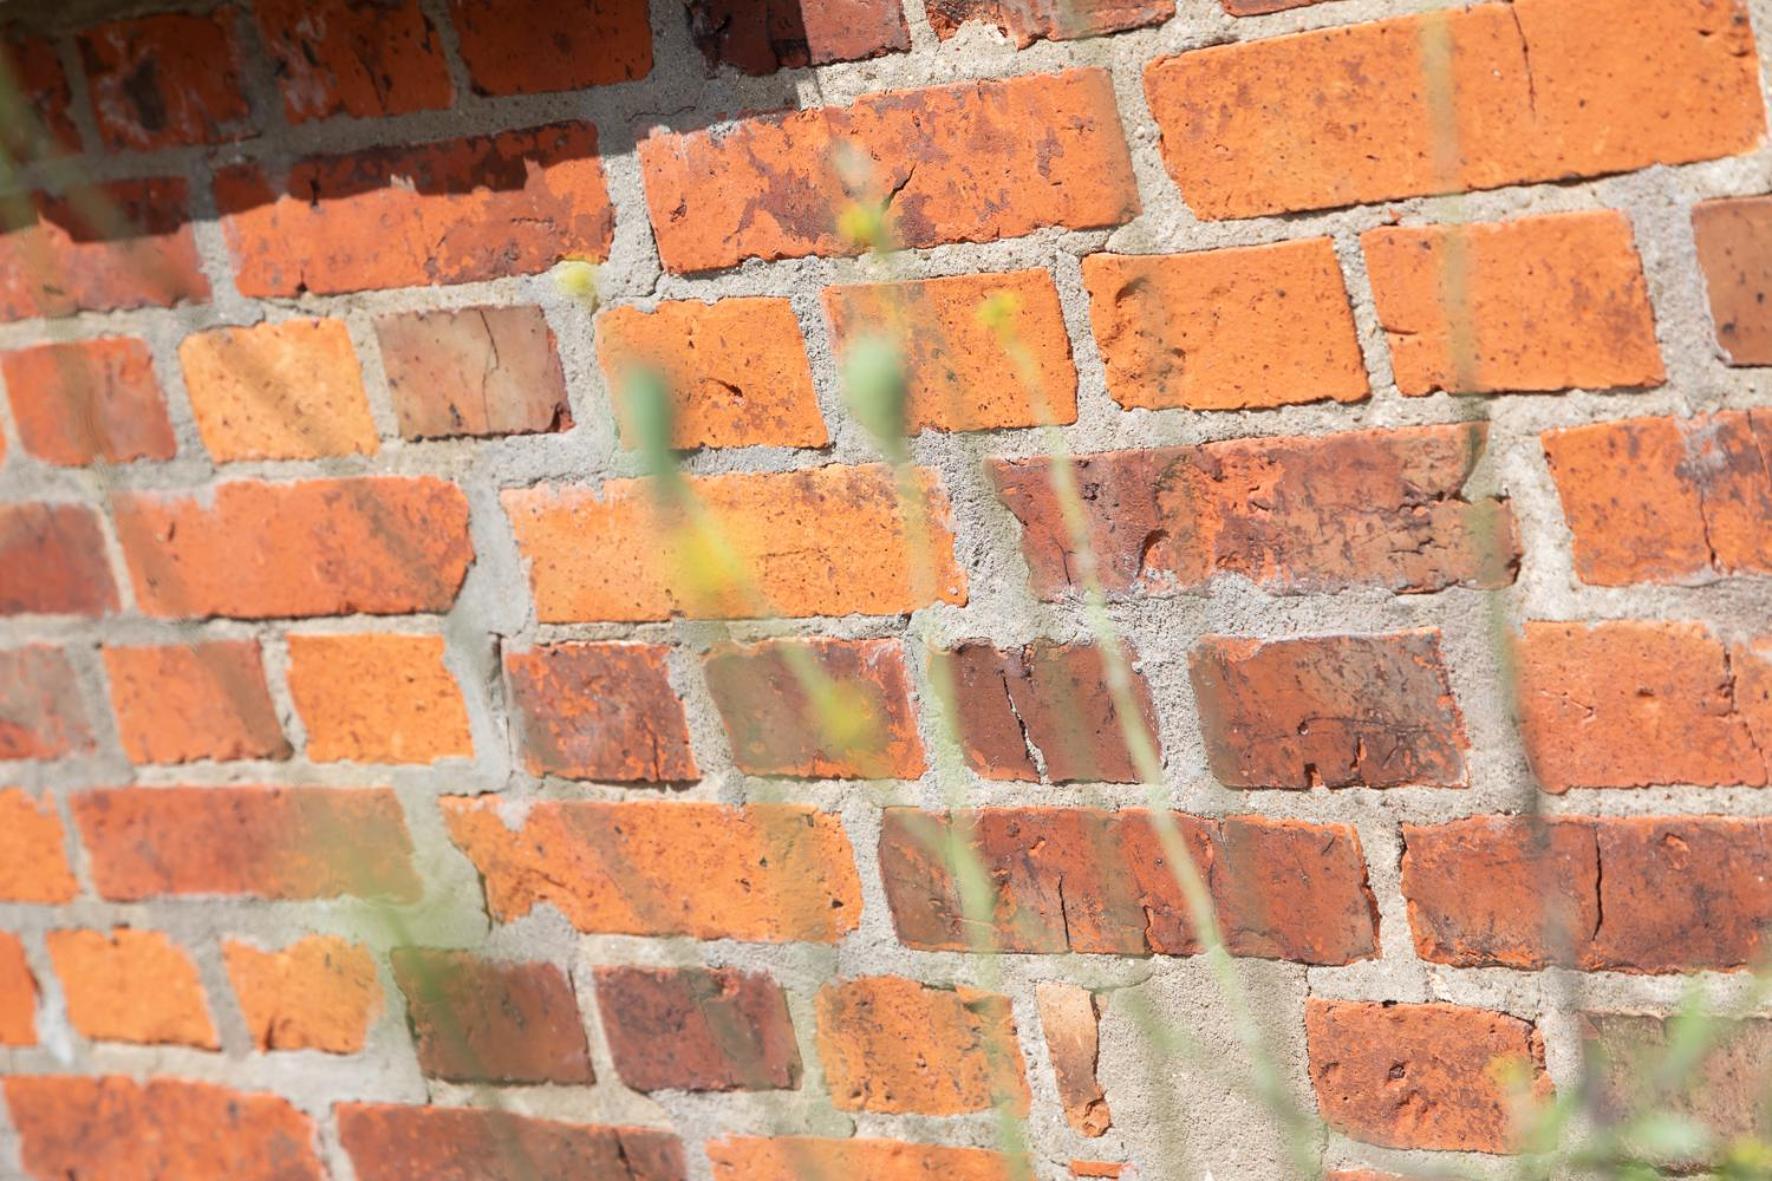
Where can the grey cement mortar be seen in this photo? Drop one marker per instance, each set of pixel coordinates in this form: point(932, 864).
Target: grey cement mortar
point(1175, 1116)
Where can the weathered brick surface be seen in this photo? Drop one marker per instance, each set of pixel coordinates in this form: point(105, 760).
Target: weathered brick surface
point(477, 1020)
point(763, 873)
point(1329, 711)
point(1044, 706)
point(352, 57)
point(971, 162)
point(70, 1126)
point(1722, 1092)
point(1420, 1076)
point(1094, 882)
point(451, 212)
point(391, 1143)
point(735, 372)
point(33, 850)
point(1226, 329)
point(319, 993)
point(822, 709)
point(823, 541)
point(89, 401)
point(289, 390)
point(1733, 251)
point(698, 1029)
point(791, 1158)
point(479, 372)
point(42, 715)
point(166, 80)
point(587, 43)
point(763, 36)
point(18, 995)
point(1027, 21)
point(1540, 303)
point(264, 842)
point(599, 711)
point(1068, 1018)
point(181, 703)
point(132, 986)
point(53, 562)
point(377, 699)
point(42, 84)
point(1667, 499)
point(1533, 90)
point(1381, 508)
point(383, 545)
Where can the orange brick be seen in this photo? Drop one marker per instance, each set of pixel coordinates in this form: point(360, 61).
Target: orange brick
point(290, 390)
point(319, 993)
point(483, 207)
point(132, 986)
point(42, 713)
point(1734, 239)
point(88, 400)
point(534, 46)
point(377, 699)
point(33, 851)
point(183, 702)
point(53, 561)
point(795, 1158)
point(344, 57)
point(763, 873)
point(1542, 303)
point(735, 371)
point(599, 711)
point(167, 80)
point(893, 1045)
point(36, 71)
point(383, 545)
point(959, 375)
point(264, 842)
point(822, 541)
point(58, 258)
point(1069, 1020)
point(1226, 329)
point(18, 995)
point(1537, 90)
point(970, 162)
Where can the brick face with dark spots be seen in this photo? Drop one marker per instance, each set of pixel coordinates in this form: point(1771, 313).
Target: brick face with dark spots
point(698, 1029)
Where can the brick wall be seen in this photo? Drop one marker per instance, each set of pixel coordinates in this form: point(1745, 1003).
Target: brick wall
point(382, 796)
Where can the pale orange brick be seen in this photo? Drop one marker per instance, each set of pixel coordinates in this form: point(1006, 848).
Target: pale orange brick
point(319, 993)
point(132, 986)
point(81, 401)
point(33, 851)
point(377, 699)
point(1226, 329)
point(179, 703)
point(18, 994)
point(290, 390)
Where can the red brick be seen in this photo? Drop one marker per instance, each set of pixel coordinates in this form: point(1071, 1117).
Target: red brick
point(1329, 711)
point(698, 1029)
point(41, 713)
point(126, 244)
point(820, 541)
point(264, 842)
point(1260, 8)
point(319, 993)
point(796, 1158)
point(735, 371)
point(763, 36)
point(18, 995)
point(599, 711)
point(1536, 90)
point(378, 699)
point(970, 162)
point(478, 371)
point(1420, 1076)
point(1733, 236)
point(534, 46)
point(33, 851)
point(1633, 704)
point(388, 1143)
point(286, 390)
point(132, 986)
point(483, 207)
point(35, 71)
point(381, 545)
point(1069, 1016)
point(1540, 303)
point(959, 372)
point(480, 1021)
point(1667, 499)
point(818, 709)
point(1027, 21)
point(1115, 1170)
point(115, 1127)
point(763, 873)
point(53, 561)
point(894, 1045)
point(1636, 894)
point(182, 703)
point(1236, 329)
point(1093, 882)
point(363, 58)
point(167, 80)
point(88, 400)
point(1628, 1054)
point(1381, 508)
point(1046, 705)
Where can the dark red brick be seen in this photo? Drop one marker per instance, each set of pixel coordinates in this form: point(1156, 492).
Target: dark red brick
point(41, 714)
point(53, 561)
point(363, 58)
point(476, 1020)
point(763, 36)
point(35, 72)
point(535, 46)
point(600, 711)
point(389, 1143)
point(698, 1029)
point(167, 80)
